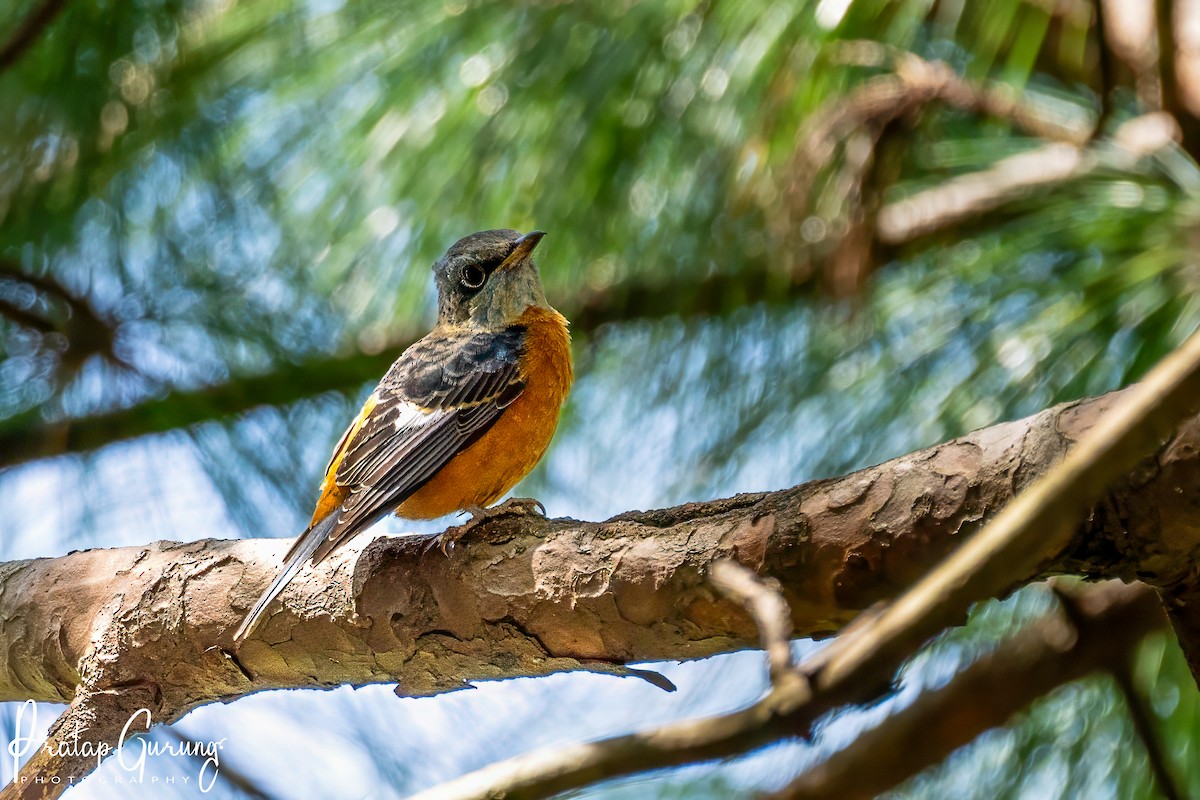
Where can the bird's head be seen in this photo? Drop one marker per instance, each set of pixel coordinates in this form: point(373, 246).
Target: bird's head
point(488, 279)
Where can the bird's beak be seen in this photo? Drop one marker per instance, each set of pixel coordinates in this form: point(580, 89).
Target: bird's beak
point(523, 249)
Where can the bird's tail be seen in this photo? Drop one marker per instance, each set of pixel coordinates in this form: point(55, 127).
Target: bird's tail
point(302, 549)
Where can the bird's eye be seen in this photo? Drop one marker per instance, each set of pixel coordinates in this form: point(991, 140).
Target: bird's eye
point(473, 277)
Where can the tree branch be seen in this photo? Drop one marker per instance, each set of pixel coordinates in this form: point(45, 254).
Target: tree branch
point(1182, 601)
point(30, 436)
point(763, 601)
point(1143, 725)
point(531, 596)
point(1111, 620)
point(103, 708)
point(914, 84)
point(86, 331)
point(1170, 59)
point(1026, 535)
point(28, 31)
point(852, 126)
point(970, 196)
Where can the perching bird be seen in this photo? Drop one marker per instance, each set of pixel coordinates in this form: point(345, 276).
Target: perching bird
point(462, 415)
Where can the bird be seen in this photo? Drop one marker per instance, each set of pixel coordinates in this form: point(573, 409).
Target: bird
point(460, 417)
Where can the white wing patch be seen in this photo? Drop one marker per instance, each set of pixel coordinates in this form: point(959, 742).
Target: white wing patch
point(411, 415)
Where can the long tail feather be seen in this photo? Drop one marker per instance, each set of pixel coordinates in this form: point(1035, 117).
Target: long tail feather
point(305, 545)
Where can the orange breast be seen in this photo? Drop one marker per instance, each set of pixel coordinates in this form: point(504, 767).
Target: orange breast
point(494, 463)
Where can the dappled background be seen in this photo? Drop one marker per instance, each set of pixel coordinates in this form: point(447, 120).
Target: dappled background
point(794, 239)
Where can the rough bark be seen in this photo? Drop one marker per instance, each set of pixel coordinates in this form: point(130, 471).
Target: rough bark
point(1025, 536)
point(531, 596)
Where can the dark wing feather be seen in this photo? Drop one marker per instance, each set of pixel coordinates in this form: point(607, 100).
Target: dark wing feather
point(439, 397)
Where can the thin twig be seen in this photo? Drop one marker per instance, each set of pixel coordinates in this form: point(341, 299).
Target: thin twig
point(229, 775)
point(28, 31)
point(1143, 725)
point(1108, 70)
point(973, 194)
point(23, 316)
point(763, 601)
point(1164, 19)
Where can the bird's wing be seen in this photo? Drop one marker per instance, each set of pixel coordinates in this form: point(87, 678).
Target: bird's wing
point(443, 393)
point(439, 397)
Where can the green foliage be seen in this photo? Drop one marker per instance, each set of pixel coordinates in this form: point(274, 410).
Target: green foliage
point(196, 192)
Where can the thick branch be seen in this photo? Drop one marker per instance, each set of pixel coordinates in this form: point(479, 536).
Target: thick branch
point(529, 597)
point(88, 731)
point(105, 706)
point(1025, 536)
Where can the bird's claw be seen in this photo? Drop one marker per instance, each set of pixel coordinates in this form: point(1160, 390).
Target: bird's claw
point(514, 506)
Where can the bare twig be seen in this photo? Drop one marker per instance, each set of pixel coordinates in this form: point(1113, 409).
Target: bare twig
point(878, 104)
point(1108, 72)
point(85, 329)
point(969, 196)
point(229, 775)
point(1143, 725)
point(763, 601)
point(28, 31)
point(548, 772)
point(1182, 602)
point(1036, 526)
point(1110, 621)
point(1164, 21)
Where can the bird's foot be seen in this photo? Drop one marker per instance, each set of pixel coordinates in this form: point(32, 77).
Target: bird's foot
point(512, 507)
